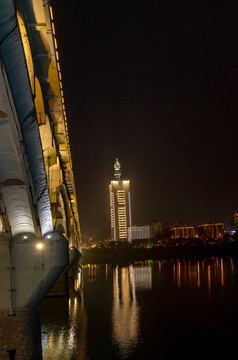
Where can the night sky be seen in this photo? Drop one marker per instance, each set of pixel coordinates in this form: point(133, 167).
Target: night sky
point(154, 83)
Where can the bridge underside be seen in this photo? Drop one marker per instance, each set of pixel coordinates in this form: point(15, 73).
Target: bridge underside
point(26, 215)
point(38, 208)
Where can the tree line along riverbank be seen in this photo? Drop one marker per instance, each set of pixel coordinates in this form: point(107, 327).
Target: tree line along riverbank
point(122, 253)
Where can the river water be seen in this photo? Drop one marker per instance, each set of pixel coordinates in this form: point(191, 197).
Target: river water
point(156, 308)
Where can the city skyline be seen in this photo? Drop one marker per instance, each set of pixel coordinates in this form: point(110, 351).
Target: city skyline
point(155, 84)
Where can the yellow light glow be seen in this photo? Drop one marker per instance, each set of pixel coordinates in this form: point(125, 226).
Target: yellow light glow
point(39, 246)
point(55, 41)
point(51, 13)
point(27, 50)
point(53, 28)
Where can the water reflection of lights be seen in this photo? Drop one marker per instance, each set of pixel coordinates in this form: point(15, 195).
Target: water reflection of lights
point(125, 312)
point(61, 342)
point(45, 340)
point(207, 276)
point(178, 273)
point(141, 276)
point(92, 272)
point(209, 279)
point(71, 339)
point(52, 342)
point(77, 281)
point(106, 272)
point(222, 273)
point(67, 341)
point(198, 273)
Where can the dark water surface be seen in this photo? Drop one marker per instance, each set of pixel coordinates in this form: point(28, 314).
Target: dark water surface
point(160, 309)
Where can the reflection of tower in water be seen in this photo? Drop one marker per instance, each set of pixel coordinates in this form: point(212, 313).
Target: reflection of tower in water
point(125, 311)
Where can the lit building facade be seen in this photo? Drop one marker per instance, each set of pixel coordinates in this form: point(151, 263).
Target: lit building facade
point(236, 221)
point(214, 231)
point(120, 206)
point(183, 232)
point(139, 232)
point(145, 231)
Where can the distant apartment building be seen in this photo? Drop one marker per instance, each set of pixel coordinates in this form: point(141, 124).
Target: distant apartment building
point(156, 228)
point(236, 221)
point(145, 231)
point(139, 232)
point(183, 232)
point(214, 231)
point(120, 205)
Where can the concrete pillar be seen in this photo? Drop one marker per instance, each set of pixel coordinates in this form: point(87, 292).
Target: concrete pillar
point(29, 267)
point(61, 286)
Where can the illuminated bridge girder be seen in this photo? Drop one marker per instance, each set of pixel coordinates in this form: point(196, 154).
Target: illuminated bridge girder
point(30, 30)
point(38, 207)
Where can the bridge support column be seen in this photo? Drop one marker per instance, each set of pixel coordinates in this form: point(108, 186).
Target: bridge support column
point(28, 268)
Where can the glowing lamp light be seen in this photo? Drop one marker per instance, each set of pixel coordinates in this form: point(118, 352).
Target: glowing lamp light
point(25, 237)
point(39, 246)
point(48, 236)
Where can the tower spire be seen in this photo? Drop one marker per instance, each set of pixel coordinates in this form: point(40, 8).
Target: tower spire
point(117, 169)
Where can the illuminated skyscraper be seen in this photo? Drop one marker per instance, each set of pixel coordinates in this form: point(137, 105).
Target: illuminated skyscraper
point(120, 205)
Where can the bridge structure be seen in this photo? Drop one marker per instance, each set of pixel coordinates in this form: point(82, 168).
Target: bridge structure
point(39, 224)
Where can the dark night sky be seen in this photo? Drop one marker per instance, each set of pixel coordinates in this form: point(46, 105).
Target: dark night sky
point(154, 83)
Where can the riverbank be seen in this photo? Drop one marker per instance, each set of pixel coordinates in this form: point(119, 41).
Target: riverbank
point(119, 254)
